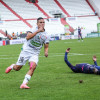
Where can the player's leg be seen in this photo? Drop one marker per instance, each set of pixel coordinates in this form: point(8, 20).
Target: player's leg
point(13, 67)
point(78, 37)
point(28, 75)
point(33, 63)
point(32, 68)
point(21, 61)
point(81, 37)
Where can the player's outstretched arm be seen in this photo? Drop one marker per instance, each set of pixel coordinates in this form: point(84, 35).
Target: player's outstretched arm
point(46, 46)
point(95, 60)
point(66, 53)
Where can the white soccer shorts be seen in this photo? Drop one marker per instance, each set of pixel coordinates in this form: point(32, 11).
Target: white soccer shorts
point(26, 56)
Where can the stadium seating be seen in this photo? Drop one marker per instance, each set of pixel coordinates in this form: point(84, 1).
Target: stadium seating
point(77, 9)
point(49, 6)
point(54, 26)
point(24, 9)
point(96, 4)
point(6, 14)
point(89, 23)
point(14, 26)
point(2, 36)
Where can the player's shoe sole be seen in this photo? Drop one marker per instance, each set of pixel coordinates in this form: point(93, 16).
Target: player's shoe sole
point(24, 86)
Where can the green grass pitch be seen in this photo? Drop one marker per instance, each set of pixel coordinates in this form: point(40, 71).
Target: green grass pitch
point(52, 79)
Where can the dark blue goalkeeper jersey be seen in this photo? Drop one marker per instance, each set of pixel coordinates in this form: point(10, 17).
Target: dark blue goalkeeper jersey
point(83, 67)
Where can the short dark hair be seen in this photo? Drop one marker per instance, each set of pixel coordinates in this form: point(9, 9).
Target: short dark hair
point(39, 19)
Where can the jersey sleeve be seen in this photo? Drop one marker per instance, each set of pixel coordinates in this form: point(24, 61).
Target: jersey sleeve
point(32, 30)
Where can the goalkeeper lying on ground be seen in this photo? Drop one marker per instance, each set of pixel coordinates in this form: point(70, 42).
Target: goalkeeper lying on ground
point(83, 67)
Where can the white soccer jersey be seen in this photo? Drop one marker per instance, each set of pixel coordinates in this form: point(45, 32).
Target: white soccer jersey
point(35, 44)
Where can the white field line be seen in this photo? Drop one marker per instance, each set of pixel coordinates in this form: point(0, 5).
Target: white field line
point(69, 42)
point(9, 58)
point(50, 55)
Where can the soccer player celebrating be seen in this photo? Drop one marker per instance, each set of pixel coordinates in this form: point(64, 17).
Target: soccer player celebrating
point(31, 50)
point(83, 67)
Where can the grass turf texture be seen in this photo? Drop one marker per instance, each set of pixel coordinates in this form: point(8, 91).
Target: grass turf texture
point(52, 79)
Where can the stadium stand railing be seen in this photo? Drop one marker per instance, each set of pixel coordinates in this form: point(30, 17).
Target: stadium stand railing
point(93, 35)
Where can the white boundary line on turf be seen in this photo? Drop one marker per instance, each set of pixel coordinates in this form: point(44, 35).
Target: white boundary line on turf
point(54, 55)
point(10, 58)
point(69, 42)
point(50, 56)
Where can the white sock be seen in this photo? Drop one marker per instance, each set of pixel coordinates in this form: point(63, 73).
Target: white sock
point(26, 79)
point(12, 66)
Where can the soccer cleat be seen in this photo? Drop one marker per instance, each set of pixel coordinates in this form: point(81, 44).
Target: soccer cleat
point(8, 70)
point(24, 86)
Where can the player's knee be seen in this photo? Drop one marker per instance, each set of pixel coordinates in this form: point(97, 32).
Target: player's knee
point(17, 68)
point(33, 68)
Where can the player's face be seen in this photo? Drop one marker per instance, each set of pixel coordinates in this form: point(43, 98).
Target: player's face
point(41, 23)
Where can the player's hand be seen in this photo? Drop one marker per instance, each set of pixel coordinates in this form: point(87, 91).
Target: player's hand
point(94, 58)
point(46, 54)
point(68, 50)
point(41, 29)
